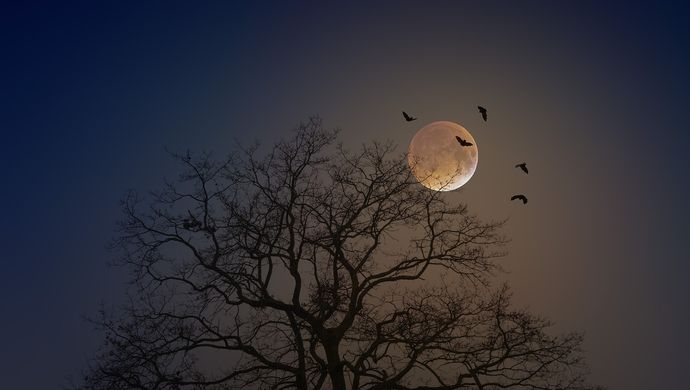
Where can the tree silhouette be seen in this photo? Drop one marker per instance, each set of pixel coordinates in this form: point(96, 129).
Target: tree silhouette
point(308, 266)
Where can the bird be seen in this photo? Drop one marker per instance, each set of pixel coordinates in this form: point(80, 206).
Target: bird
point(463, 142)
point(522, 166)
point(191, 222)
point(482, 111)
point(408, 118)
point(521, 197)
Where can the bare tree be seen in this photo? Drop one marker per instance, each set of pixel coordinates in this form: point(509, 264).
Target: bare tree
point(312, 267)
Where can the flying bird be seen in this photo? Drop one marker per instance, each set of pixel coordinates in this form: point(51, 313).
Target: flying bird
point(523, 198)
point(482, 111)
point(408, 118)
point(191, 222)
point(463, 142)
point(522, 166)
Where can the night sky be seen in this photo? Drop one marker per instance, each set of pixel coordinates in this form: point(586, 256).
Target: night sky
point(596, 98)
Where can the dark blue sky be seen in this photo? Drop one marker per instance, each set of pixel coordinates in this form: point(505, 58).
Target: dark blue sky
point(596, 95)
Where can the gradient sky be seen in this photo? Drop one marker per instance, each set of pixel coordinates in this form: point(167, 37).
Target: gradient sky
point(594, 97)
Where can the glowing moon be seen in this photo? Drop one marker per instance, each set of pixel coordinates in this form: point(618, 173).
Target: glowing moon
point(436, 158)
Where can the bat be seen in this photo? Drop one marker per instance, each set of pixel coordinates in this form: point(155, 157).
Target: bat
point(482, 111)
point(523, 198)
point(408, 118)
point(522, 166)
point(463, 142)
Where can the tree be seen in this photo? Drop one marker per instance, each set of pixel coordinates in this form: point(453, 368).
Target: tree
point(313, 267)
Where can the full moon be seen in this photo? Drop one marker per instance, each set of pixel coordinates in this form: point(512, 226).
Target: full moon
point(437, 159)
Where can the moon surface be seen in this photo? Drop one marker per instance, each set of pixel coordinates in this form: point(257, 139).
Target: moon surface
point(438, 161)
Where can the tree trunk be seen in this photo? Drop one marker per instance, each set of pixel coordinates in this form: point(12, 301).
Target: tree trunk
point(335, 366)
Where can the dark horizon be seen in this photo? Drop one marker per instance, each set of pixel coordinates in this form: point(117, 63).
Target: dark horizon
point(592, 96)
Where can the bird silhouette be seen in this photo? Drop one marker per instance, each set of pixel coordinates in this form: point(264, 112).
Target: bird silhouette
point(482, 111)
point(463, 142)
point(408, 118)
point(191, 222)
point(522, 166)
point(521, 197)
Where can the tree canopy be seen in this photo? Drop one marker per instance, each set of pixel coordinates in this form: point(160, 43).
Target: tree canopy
point(313, 267)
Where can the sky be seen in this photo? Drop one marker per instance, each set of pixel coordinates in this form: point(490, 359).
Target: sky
point(594, 97)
